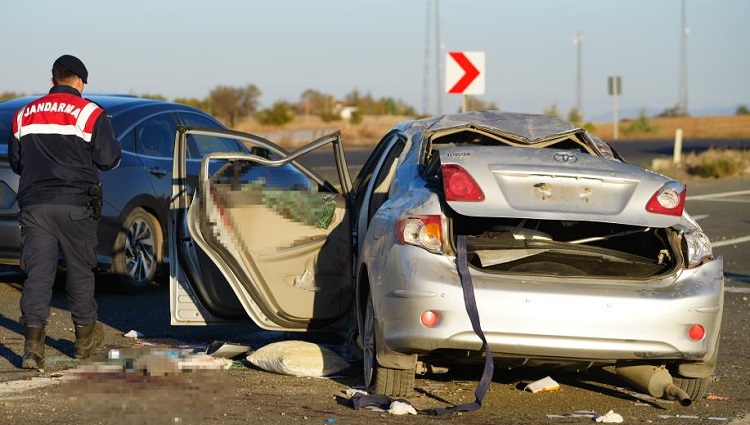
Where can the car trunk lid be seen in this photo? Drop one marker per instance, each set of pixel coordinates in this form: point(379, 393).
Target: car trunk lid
point(553, 184)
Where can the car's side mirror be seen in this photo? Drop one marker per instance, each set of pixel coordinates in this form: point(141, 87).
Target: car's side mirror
point(261, 152)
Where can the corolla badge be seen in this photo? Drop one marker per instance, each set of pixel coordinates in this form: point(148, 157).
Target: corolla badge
point(565, 157)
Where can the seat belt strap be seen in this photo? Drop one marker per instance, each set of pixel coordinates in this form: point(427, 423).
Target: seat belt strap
point(471, 308)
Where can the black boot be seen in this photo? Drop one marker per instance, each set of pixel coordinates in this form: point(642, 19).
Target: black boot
point(33, 348)
point(88, 338)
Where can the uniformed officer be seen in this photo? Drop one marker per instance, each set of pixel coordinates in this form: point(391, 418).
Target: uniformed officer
point(58, 145)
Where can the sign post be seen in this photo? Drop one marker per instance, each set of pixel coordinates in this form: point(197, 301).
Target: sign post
point(615, 89)
point(464, 74)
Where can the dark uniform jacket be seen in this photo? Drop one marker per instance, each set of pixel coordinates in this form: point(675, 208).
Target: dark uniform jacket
point(58, 145)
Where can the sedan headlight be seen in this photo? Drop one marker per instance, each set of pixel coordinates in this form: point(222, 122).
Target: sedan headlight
point(698, 248)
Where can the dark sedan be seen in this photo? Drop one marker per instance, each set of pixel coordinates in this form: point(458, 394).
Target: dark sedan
point(132, 231)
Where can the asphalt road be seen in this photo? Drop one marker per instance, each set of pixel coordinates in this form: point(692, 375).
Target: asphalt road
point(245, 394)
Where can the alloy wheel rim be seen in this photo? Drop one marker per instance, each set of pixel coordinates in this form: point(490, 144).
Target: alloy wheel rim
point(140, 258)
point(369, 344)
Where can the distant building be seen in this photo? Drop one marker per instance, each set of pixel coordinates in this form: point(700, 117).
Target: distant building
point(344, 111)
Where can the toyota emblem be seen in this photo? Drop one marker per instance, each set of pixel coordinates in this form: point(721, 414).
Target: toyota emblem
point(565, 157)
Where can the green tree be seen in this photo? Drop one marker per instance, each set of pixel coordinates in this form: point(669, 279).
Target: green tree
point(201, 104)
point(642, 124)
point(396, 107)
point(575, 116)
point(551, 111)
point(356, 117)
point(153, 96)
point(366, 104)
point(278, 114)
point(742, 110)
point(674, 111)
point(10, 95)
point(474, 103)
point(231, 103)
point(313, 102)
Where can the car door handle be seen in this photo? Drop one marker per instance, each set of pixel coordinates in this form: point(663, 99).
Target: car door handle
point(157, 171)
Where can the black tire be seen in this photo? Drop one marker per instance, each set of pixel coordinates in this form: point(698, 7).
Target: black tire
point(696, 388)
point(379, 379)
point(136, 252)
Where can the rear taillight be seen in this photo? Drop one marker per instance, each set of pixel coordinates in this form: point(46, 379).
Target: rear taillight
point(668, 200)
point(459, 185)
point(422, 231)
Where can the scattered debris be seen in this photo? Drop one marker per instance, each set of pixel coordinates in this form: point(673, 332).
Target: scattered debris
point(163, 362)
point(542, 385)
point(226, 350)
point(134, 334)
point(156, 364)
point(401, 408)
point(351, 392)
point(610, 417)
point(576, 414)
point(203, 361)
point(380, 403)
point(714, 397)
point(297, 358)
point(710, 418)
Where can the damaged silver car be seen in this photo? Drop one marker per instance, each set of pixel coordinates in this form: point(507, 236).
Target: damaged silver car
point(575, 258)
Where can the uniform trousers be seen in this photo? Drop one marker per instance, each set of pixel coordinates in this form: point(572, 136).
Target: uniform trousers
point(45, 231)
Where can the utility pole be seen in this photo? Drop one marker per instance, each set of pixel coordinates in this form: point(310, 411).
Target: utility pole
point(614, 84)
point(438, 56)
point(578, 41)
point(682, 106)
point(432, 70)
point(426, 86)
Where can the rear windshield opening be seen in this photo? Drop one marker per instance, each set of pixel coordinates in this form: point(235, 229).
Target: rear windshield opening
point(479, 138)
point(566, 248)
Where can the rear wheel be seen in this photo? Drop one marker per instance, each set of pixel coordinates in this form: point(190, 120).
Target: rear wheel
point(379, 379)
point(135, 255)
point(695, 388)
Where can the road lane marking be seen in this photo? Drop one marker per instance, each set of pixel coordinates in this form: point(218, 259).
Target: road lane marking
point(736, 201)
point(737, 290)
point(730, 241)
point(12, 387)
point(718, 195)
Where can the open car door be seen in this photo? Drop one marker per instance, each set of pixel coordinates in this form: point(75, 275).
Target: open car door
point(257, 234)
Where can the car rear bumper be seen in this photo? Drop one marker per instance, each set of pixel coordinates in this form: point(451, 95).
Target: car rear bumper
point(548, 317)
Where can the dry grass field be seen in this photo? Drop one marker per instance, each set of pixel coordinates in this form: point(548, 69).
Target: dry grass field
point(718, 127)
point(372, 128)
point(711, 164)
point(305, 128)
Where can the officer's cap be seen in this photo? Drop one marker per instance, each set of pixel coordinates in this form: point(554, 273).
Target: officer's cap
point(74, 65)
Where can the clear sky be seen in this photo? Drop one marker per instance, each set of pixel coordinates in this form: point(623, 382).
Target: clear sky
point(184, 48)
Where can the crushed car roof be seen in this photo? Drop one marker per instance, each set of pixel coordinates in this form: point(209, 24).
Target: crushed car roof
point(524, 128)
